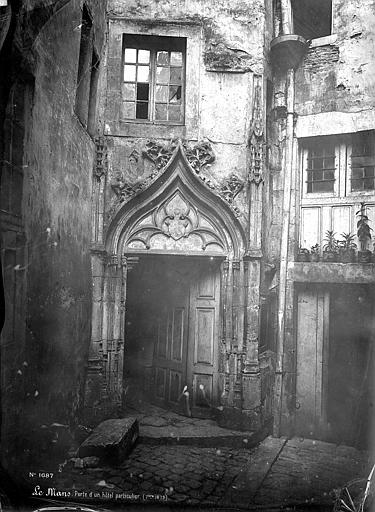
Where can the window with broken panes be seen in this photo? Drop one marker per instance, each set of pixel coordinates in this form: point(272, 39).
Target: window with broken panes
point(153, 79)
point(363, 161)
point(321, 167)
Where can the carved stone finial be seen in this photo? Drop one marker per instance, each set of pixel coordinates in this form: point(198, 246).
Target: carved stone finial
point(100, 165)
point(256, 140)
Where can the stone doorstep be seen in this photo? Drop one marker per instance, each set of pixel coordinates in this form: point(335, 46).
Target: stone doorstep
point(112, 440)
point(205, 439)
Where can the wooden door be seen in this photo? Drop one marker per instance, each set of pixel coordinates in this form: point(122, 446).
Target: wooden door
point(312, 359)
point(202, 356)
point(170, 350)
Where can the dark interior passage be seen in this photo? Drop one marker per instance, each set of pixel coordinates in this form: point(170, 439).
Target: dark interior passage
point(171, 335)
point(351, 364)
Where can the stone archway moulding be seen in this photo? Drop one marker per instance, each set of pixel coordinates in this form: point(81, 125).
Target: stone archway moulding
point(177, 213)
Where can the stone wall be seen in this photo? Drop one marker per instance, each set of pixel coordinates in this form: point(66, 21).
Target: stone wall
point(56, 157)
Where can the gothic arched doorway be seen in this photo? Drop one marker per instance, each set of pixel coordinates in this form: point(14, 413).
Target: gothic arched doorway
point(174, 294)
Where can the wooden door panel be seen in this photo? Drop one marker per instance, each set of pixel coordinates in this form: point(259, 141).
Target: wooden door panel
point(177, 340)
point(202, 364)
point(204, 336)
point(312, 330)
point(175, 386)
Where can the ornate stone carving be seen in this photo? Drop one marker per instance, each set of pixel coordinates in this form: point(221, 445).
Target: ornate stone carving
point(231, 187)
point(100, 166)
point(178, 220)
point(158, 153)
point(219, 56)
point(256, 139)
point(199, 156)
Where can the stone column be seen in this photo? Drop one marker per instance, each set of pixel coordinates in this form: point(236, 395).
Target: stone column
point(113, 330)
point(251, 382)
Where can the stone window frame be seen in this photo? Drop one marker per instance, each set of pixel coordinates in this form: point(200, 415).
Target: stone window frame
point(155, 44)
point(114, 124)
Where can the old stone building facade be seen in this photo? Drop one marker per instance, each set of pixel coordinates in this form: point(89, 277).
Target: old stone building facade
point(166, 167)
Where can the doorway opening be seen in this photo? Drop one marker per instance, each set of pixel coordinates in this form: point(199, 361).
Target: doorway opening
point(350, 407)
point(172, 333)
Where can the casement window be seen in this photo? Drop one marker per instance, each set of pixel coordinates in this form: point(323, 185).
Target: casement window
point(338, 166)
point(312, 18)
point(321, 167)
point(363, 162)
point(153, 88)
point(337, 174)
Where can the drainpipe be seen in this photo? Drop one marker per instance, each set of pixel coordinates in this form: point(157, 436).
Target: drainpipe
point(286, 17)
point(287, 196)
point(287, 25)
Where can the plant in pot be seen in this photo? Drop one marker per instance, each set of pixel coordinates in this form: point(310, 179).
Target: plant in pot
point(330, 247)
point(364, 235)
point(347, 248)
point(315, 253)
point(303, 254)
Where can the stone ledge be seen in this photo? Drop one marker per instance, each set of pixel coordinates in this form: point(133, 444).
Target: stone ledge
point(322, 272)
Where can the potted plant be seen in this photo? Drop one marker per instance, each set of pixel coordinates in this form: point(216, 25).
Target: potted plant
point(347, 248)
point(303, 254)
point(364, 235)
point(315, 253)
point(330, 248)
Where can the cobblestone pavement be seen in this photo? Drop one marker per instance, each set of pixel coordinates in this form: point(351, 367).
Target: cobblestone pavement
point(277, 473)
point(180, 474)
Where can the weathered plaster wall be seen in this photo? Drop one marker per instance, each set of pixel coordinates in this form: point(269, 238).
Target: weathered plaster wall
point(58, 162)
point(224, 50)
point(340, 76)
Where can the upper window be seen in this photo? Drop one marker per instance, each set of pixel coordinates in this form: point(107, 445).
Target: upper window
point(339, 165)
point(363, 161)
point(312, 18)
point(321, 167)
point(153, 79)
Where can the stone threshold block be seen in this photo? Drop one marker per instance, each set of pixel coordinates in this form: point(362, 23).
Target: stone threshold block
point(111, 441)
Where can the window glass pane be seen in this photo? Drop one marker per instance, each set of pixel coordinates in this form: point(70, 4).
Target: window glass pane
point(129, 110)
point(162, 75)
point(176, 74)
point(175, 93)
point(357, 173)
point(162, 58)
point(130, 55)
point(357, 185)
point(142, 92)
point(160, 112)
point(129, 73)
point(174, 113)
point(368, 183)
point(129, 91)
point(143, 72)
point(161, 93)
point(144, 56)
point(323, 186)
point(329, 175)
point(142, 110)
point(369, 172)
point(176, 59)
